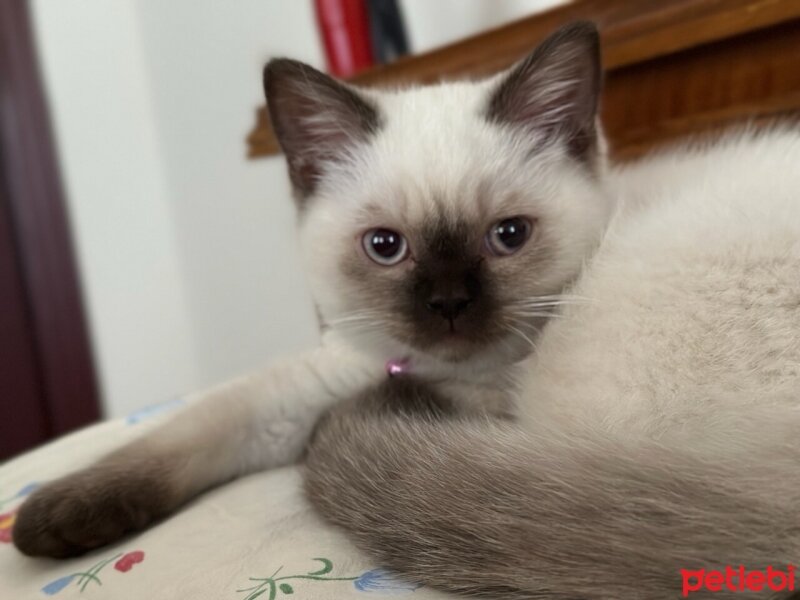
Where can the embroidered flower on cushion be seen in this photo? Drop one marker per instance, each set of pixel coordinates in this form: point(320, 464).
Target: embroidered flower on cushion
point(7, 519)
point(384, 582)
point(155, 410)
point(6, 525)
point(21, 493)
point(379, 581)
point(59, 584)
point(123, 564)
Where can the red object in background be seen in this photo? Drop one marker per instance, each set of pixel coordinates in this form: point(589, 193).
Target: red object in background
point(344, 25)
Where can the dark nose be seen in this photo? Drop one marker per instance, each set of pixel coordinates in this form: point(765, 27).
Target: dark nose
point(450, 291)
point(448, 307)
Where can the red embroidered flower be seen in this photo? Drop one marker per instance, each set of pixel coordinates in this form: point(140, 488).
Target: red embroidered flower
point(127, 561)
point(6, 525)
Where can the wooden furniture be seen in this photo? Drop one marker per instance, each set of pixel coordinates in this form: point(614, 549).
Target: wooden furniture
point(673, 67)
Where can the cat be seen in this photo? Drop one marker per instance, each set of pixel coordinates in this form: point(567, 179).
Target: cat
point(439, 227)
point(652, 448)
point(452, 230)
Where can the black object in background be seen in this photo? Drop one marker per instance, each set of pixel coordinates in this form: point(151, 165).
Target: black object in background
point(388, 30)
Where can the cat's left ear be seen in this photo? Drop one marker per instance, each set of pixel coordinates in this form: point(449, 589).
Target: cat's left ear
point(315, 118)
point(553, 93)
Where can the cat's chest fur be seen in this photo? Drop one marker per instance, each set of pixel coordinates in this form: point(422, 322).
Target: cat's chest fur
point(497, 398)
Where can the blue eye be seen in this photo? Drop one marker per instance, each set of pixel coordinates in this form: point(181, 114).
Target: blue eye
point(385, 247)
point(508, 235)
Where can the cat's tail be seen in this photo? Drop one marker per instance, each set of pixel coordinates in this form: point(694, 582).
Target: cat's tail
point(484, 508)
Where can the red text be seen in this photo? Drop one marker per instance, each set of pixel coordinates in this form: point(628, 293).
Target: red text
point(737, 580)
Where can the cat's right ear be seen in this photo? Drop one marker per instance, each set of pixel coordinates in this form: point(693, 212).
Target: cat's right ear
point(315, 118)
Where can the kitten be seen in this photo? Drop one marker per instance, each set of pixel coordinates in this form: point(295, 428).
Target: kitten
point(439, 226)
point(655, 437)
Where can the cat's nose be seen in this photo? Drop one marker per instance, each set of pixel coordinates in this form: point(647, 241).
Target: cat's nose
point(448, 307)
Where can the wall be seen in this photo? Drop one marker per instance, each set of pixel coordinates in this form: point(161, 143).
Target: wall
point(108, 142)
point(186, 249)
point(235, 234)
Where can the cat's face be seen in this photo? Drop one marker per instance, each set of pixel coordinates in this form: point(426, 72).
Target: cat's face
point(442, 220)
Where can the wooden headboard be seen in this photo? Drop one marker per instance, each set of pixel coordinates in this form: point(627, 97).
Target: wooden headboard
point(673, 67)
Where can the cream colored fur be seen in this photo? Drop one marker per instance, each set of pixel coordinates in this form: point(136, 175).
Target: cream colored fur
point(691, 308)
point(681, 329)
point(657, 420)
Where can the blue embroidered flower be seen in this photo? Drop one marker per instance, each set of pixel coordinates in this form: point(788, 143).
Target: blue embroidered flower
point(26, 490)
point(149, 412)
point(56, 586)
point(384, 582)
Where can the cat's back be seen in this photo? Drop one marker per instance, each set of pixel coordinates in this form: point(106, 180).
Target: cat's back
point(693, 298)
point(725, 170)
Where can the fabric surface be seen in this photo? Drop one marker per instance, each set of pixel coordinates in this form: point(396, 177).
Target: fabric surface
point(253, 538)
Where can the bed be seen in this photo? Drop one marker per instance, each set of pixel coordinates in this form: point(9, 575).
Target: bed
point(253, 538)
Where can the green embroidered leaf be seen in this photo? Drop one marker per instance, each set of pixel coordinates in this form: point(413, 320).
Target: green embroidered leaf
point(286, 588)
point(327, 567)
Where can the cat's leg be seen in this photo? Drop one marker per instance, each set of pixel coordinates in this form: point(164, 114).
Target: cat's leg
point(258, 422)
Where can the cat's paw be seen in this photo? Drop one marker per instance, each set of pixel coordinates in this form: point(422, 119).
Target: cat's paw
point(88, 509)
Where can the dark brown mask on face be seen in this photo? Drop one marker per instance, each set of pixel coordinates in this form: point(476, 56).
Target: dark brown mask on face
point(447, 297)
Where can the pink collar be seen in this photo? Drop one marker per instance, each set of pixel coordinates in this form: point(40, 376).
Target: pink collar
point(398, 366)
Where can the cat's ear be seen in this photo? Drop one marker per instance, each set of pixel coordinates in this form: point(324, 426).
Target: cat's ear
point(554, 92)
point(315, 118)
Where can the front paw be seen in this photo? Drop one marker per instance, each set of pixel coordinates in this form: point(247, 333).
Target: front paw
point(88, 509)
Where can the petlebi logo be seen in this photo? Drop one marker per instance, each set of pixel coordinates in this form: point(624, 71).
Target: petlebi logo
point(738, 579)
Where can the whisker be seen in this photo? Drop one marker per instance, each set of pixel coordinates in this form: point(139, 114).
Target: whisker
point(355, 316)
point(546, 303)
point(553, 300)
point(535, 327)
point(521, 334)
point(537, 314)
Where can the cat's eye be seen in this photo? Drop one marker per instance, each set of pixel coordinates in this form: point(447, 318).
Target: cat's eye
point(385, 247)
point(508, 235)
